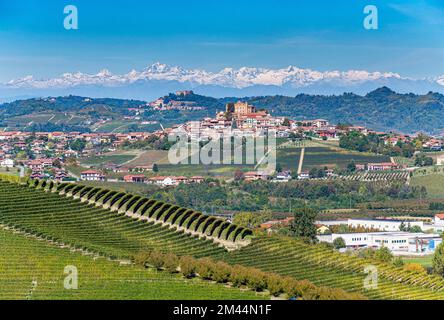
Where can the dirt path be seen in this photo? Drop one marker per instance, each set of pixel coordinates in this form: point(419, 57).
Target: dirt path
point(301, 161)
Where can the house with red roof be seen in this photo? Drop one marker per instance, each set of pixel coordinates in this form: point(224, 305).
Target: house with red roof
point(134, 178)
point(439, 219)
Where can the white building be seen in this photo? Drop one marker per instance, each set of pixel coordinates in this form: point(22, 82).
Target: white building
point(439, 219)
point(397, 242)
point(383, 225)
point(437, 225)
point(389, 225)
point(92, 175)
point(7, 163)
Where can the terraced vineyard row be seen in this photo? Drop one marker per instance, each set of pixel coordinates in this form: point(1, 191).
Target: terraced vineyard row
point(327, 268)
point(187, 220)
point(377, 176)
point(82, 225)
point(35, 270)
point(115, 232)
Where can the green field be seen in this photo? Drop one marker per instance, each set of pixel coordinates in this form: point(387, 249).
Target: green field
point(426, 261)
point(34, 270)
point(107, 158)
point(150, 157)
point(215, 171)
point(42, 118)
point(324, 157)
point(10, 171)
point(434, 183)
point(76, 169)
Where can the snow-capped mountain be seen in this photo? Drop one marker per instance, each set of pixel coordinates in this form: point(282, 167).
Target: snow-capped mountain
point(162, 78)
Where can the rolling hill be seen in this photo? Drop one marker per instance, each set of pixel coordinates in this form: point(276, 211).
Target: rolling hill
point(108, 223)
point(381, 109)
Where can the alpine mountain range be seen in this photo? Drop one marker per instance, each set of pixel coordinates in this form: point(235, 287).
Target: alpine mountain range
point(157, 79)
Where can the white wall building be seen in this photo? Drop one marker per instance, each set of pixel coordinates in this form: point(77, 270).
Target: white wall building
point(397, 242)
point(383, 225)
point(439, 219)
point(92, 175)
point(389, 225)
point(7, 163)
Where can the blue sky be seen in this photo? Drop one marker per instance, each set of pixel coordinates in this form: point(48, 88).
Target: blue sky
point(124, 35)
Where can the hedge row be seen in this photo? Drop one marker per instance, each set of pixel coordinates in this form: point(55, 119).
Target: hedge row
point(241, 276)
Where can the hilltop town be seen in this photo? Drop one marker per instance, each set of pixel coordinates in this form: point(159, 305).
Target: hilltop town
point(49, 154)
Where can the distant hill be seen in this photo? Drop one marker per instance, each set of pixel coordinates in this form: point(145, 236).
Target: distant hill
point(382, 109)
point(66, 104)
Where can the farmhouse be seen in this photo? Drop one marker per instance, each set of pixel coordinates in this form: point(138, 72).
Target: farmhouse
point(284, 176)
point(135, 178)
point(174, 181)
point(92, 175)
point(163, 181)
point(7, 163)
point(39, 164)
point(272, 223)
point(255, 175)
point(382, 166)
point(304, 175)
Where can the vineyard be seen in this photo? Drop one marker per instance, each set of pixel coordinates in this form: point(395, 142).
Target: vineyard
point(106, 223)
point(35, 270)
point(81, 225)
point(328, 268)
point(374, 176)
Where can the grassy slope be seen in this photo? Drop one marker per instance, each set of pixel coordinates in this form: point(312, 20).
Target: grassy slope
point(103, 159)
point(426, 261)
point(434, 184)
point(24, 260)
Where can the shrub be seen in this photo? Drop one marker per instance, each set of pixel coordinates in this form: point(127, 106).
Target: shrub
point(221, 272)
point(415, 267)
point(256, 279)
point(339, 243)
point(296, 289)
point(275, 284)
point(170, 262)
point(438, 260)
point(156, 259)
point(383, 254)
point(324, 293)
point(187, 266)
point(398, 262)
point(205, 268)
point(239, 275)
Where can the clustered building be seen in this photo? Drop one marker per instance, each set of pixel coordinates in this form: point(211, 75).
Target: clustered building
point(390, 234)
point(44, 153)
